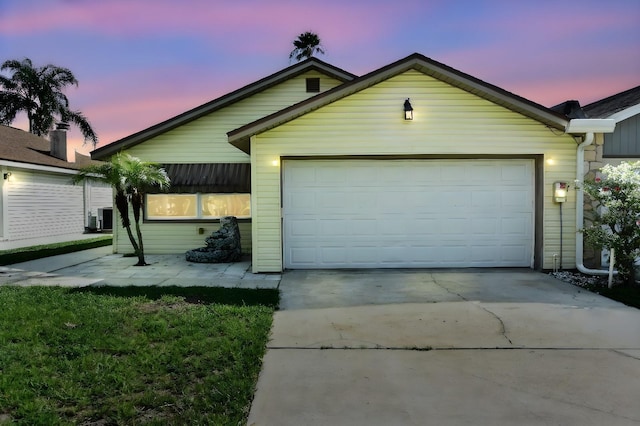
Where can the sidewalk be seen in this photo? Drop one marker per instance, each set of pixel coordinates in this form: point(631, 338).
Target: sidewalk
point(101, 267)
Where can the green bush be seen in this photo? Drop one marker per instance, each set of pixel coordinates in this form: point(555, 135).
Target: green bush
point(24, 254)
point(616, 216)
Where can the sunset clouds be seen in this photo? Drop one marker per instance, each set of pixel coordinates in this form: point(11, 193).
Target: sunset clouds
point(143, 61)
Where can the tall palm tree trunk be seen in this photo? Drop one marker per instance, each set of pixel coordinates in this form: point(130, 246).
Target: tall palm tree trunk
point(136, 203)
point(140, 251)
point(123, 208)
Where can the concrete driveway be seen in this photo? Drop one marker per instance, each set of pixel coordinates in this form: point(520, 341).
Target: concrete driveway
point(477, 347)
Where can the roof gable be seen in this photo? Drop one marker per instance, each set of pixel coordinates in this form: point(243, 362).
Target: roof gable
point(241, 136)
point(619, 107)
point(311, 64)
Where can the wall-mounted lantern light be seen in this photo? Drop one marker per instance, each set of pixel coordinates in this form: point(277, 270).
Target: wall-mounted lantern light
point(7, 175)
point(408, 110)
point(560, 192)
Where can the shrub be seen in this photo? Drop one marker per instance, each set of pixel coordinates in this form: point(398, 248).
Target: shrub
point(615, 223)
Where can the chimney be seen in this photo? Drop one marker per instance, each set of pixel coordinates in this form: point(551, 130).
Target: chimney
point(58, 138)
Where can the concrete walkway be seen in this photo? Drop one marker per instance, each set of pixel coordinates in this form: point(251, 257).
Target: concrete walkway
point(100, 266)
point(507, 347)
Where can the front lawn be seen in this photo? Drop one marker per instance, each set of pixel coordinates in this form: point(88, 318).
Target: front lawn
point(131, 356)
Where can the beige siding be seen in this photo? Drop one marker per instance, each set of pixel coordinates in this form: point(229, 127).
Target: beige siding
point(171, 238)
point(42, 205)
point(448, 121)
point(205, 140)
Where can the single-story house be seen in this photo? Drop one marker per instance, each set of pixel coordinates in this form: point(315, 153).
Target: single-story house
point(39, 200)
point(414, 165)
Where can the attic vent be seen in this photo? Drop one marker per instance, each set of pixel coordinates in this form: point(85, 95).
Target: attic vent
point(313, 85)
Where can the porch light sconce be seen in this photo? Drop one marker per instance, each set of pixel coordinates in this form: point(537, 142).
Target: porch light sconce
point(560, 191)
point(408, 110)
point(7, 175)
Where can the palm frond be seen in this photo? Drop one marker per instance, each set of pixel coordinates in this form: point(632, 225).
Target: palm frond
point(39, 93)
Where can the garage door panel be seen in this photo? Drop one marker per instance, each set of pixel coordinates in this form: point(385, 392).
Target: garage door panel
point(334, 255)
point(516, 199)
point(301, 201)
point(515, 173)
point(335, 227)
point(302, 228)
point(484, 226)
point(416, 213)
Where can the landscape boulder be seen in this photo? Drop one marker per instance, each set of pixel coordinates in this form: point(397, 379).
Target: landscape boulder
point(223, 245)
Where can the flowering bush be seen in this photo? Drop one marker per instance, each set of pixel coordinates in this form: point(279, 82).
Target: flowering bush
point(616, 215)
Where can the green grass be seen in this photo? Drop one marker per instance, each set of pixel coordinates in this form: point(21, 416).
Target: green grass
point(131, 355)
point(8, 257)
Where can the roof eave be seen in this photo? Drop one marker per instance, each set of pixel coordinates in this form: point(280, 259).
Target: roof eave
point(590, 125)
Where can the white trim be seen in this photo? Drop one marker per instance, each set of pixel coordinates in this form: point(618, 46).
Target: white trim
point(590, 125)
point(19, 165)
point(3, 208)
point(588, 140)
point(625, 113)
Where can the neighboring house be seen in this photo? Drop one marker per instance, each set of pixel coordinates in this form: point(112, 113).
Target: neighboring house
point(613, 148)
point(39, 199)
point(624, 143)
point(343, 180)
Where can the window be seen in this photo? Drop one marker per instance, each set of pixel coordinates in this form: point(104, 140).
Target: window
point(219, 205)
point(313, 85)
point(197, 206)
point(172, 206)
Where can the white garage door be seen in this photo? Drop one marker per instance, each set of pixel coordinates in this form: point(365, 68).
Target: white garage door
point(408, 213)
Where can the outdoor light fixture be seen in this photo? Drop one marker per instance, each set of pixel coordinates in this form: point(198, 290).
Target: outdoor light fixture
point(408, 110)
point(7, 175)
point(560, 192)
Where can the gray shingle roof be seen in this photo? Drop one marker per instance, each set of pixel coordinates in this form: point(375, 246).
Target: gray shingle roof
point(608, 106)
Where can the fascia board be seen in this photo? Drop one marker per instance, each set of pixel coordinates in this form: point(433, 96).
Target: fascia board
point(591, 125)
point(625, 113)
point(37, 167)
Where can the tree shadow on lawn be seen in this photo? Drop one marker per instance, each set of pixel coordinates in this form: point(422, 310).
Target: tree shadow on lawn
point(194, 295)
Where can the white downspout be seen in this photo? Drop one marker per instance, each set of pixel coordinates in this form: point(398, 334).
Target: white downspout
point(588, 140)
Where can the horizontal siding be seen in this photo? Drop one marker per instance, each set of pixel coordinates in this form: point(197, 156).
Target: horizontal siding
point(43, 205)
point(173, 238)
point(448, 121)
point(205, 139)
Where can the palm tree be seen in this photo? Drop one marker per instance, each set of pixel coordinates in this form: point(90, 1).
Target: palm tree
point(37, 91)
point(306, 45)
point(130, 177)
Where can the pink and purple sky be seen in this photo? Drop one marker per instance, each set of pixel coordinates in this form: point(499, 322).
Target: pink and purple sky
point(140, 62)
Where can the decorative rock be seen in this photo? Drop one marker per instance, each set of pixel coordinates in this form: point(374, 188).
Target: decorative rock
point(223, 245)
